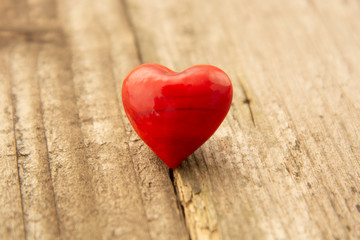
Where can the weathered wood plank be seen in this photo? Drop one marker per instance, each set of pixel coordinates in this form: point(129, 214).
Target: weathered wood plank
point(37, 212)
point(294, 173)
point(11, 212)
point(39, 208)
point(36, 29)
point(115, 188)
point(103, 52)
point(71, 173)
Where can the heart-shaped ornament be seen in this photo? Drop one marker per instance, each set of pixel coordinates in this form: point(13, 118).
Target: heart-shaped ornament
point(175, 113)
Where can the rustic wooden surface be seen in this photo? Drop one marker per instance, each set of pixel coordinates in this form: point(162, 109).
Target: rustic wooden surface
point(285, 164)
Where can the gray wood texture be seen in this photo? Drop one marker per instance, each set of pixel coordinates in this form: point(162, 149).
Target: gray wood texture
point(285, 163)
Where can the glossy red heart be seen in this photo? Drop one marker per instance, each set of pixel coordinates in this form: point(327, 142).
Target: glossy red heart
point(175, 113)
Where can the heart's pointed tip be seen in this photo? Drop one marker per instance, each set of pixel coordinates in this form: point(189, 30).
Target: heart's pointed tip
point(171, 164)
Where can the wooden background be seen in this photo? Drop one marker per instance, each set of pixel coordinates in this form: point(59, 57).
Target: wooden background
point(283, 165)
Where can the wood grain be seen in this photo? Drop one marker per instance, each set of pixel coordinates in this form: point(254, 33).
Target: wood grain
point(283, 165)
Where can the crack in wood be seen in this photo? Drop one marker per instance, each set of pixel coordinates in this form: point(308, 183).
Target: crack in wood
point(178, 201)
point(247, 101)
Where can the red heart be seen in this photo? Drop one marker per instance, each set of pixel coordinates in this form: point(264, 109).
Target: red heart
point(175, 113)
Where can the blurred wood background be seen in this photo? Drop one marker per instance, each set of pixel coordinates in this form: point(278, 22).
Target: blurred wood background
point(285, 164)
